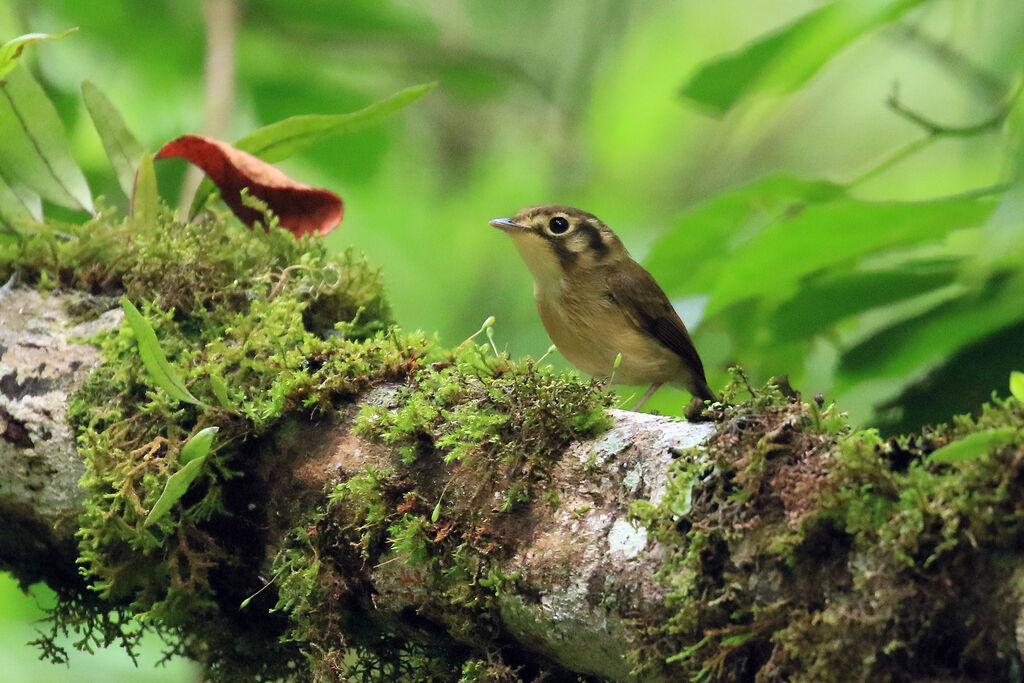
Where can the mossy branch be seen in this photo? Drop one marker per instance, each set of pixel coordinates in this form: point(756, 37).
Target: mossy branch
point(377, 507)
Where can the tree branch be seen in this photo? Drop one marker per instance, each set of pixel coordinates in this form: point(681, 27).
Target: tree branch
point(773, 544)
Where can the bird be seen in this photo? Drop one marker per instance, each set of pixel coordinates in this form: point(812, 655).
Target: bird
point(596, 302)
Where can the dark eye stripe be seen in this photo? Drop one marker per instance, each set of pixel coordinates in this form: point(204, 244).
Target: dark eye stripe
point(596, 244)
point(566, 256)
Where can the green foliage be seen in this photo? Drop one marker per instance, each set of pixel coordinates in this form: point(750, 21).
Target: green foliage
point(160, 371)
point(11, 51)
point(123, 150)
point(785, 59)
point(1017, 385)
point(192, 457)
point(975, 445)
point(34, 150)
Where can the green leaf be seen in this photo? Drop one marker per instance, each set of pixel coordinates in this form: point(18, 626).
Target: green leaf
point(123, 150)
point(830, 297)
point(771, 264)
point(687, 258)
point(220, 390)
point(145, 197)
point(11, 51)
point(34, 148)
point(198, 446)
point(782, 61)
point(738, 639)
point(163, 373)
point(1017, 385)
point(282, 139)
point(974, 445)
point(12, 208)
point(909, 350)
point(193, 456)
point(29, 199)
point(1002, 241)
point(681, 505)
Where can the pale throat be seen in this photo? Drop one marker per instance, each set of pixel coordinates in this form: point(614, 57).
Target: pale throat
point(548, 277)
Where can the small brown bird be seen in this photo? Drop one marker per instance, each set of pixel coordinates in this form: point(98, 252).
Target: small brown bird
point(596, 302)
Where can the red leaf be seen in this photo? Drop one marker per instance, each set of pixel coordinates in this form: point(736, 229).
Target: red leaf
point(302, 209)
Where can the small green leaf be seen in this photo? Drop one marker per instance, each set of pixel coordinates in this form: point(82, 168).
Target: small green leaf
point(29, 199)
point(178, 483)
point(282, 139)
point(688, 652)
point(738, 639)
point(145, 198)
point(198, 446)
point(220, 390)
point(11, 51)
point(974, 445)
point(13, 209)
point(123, 150)
point(163, 373)
point(1017, 385)
point(34, 148)
point(681, 505)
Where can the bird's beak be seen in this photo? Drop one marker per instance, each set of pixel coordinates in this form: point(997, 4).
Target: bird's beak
point(506, 224)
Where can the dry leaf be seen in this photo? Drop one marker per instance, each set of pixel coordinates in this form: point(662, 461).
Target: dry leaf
point(301, 209)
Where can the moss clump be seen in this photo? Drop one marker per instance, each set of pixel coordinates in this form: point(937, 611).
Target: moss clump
point(803, 551)
point(501, 425)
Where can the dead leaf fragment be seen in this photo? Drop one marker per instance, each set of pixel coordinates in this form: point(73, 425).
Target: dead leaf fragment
point(303, 210)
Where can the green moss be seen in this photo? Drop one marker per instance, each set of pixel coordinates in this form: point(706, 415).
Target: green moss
point(801, 551)
point(501, 425)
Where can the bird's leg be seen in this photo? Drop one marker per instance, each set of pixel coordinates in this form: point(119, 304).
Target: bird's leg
point(643, 400)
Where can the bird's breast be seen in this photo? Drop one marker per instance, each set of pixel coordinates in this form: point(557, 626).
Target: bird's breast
point(590, 331)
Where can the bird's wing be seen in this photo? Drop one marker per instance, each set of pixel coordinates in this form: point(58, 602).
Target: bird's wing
point(647, 307)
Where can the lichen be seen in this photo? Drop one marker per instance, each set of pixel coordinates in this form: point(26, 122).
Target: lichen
point(800, 550)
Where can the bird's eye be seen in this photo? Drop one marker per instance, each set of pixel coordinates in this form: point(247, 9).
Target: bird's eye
point(558, 225)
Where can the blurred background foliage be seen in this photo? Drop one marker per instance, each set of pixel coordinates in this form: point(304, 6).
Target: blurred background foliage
point(828, 190)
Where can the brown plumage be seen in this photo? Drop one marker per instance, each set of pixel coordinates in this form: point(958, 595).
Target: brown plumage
point(596, 302)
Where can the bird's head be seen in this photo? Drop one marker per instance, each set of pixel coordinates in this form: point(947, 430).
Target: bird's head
point(556, 241)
